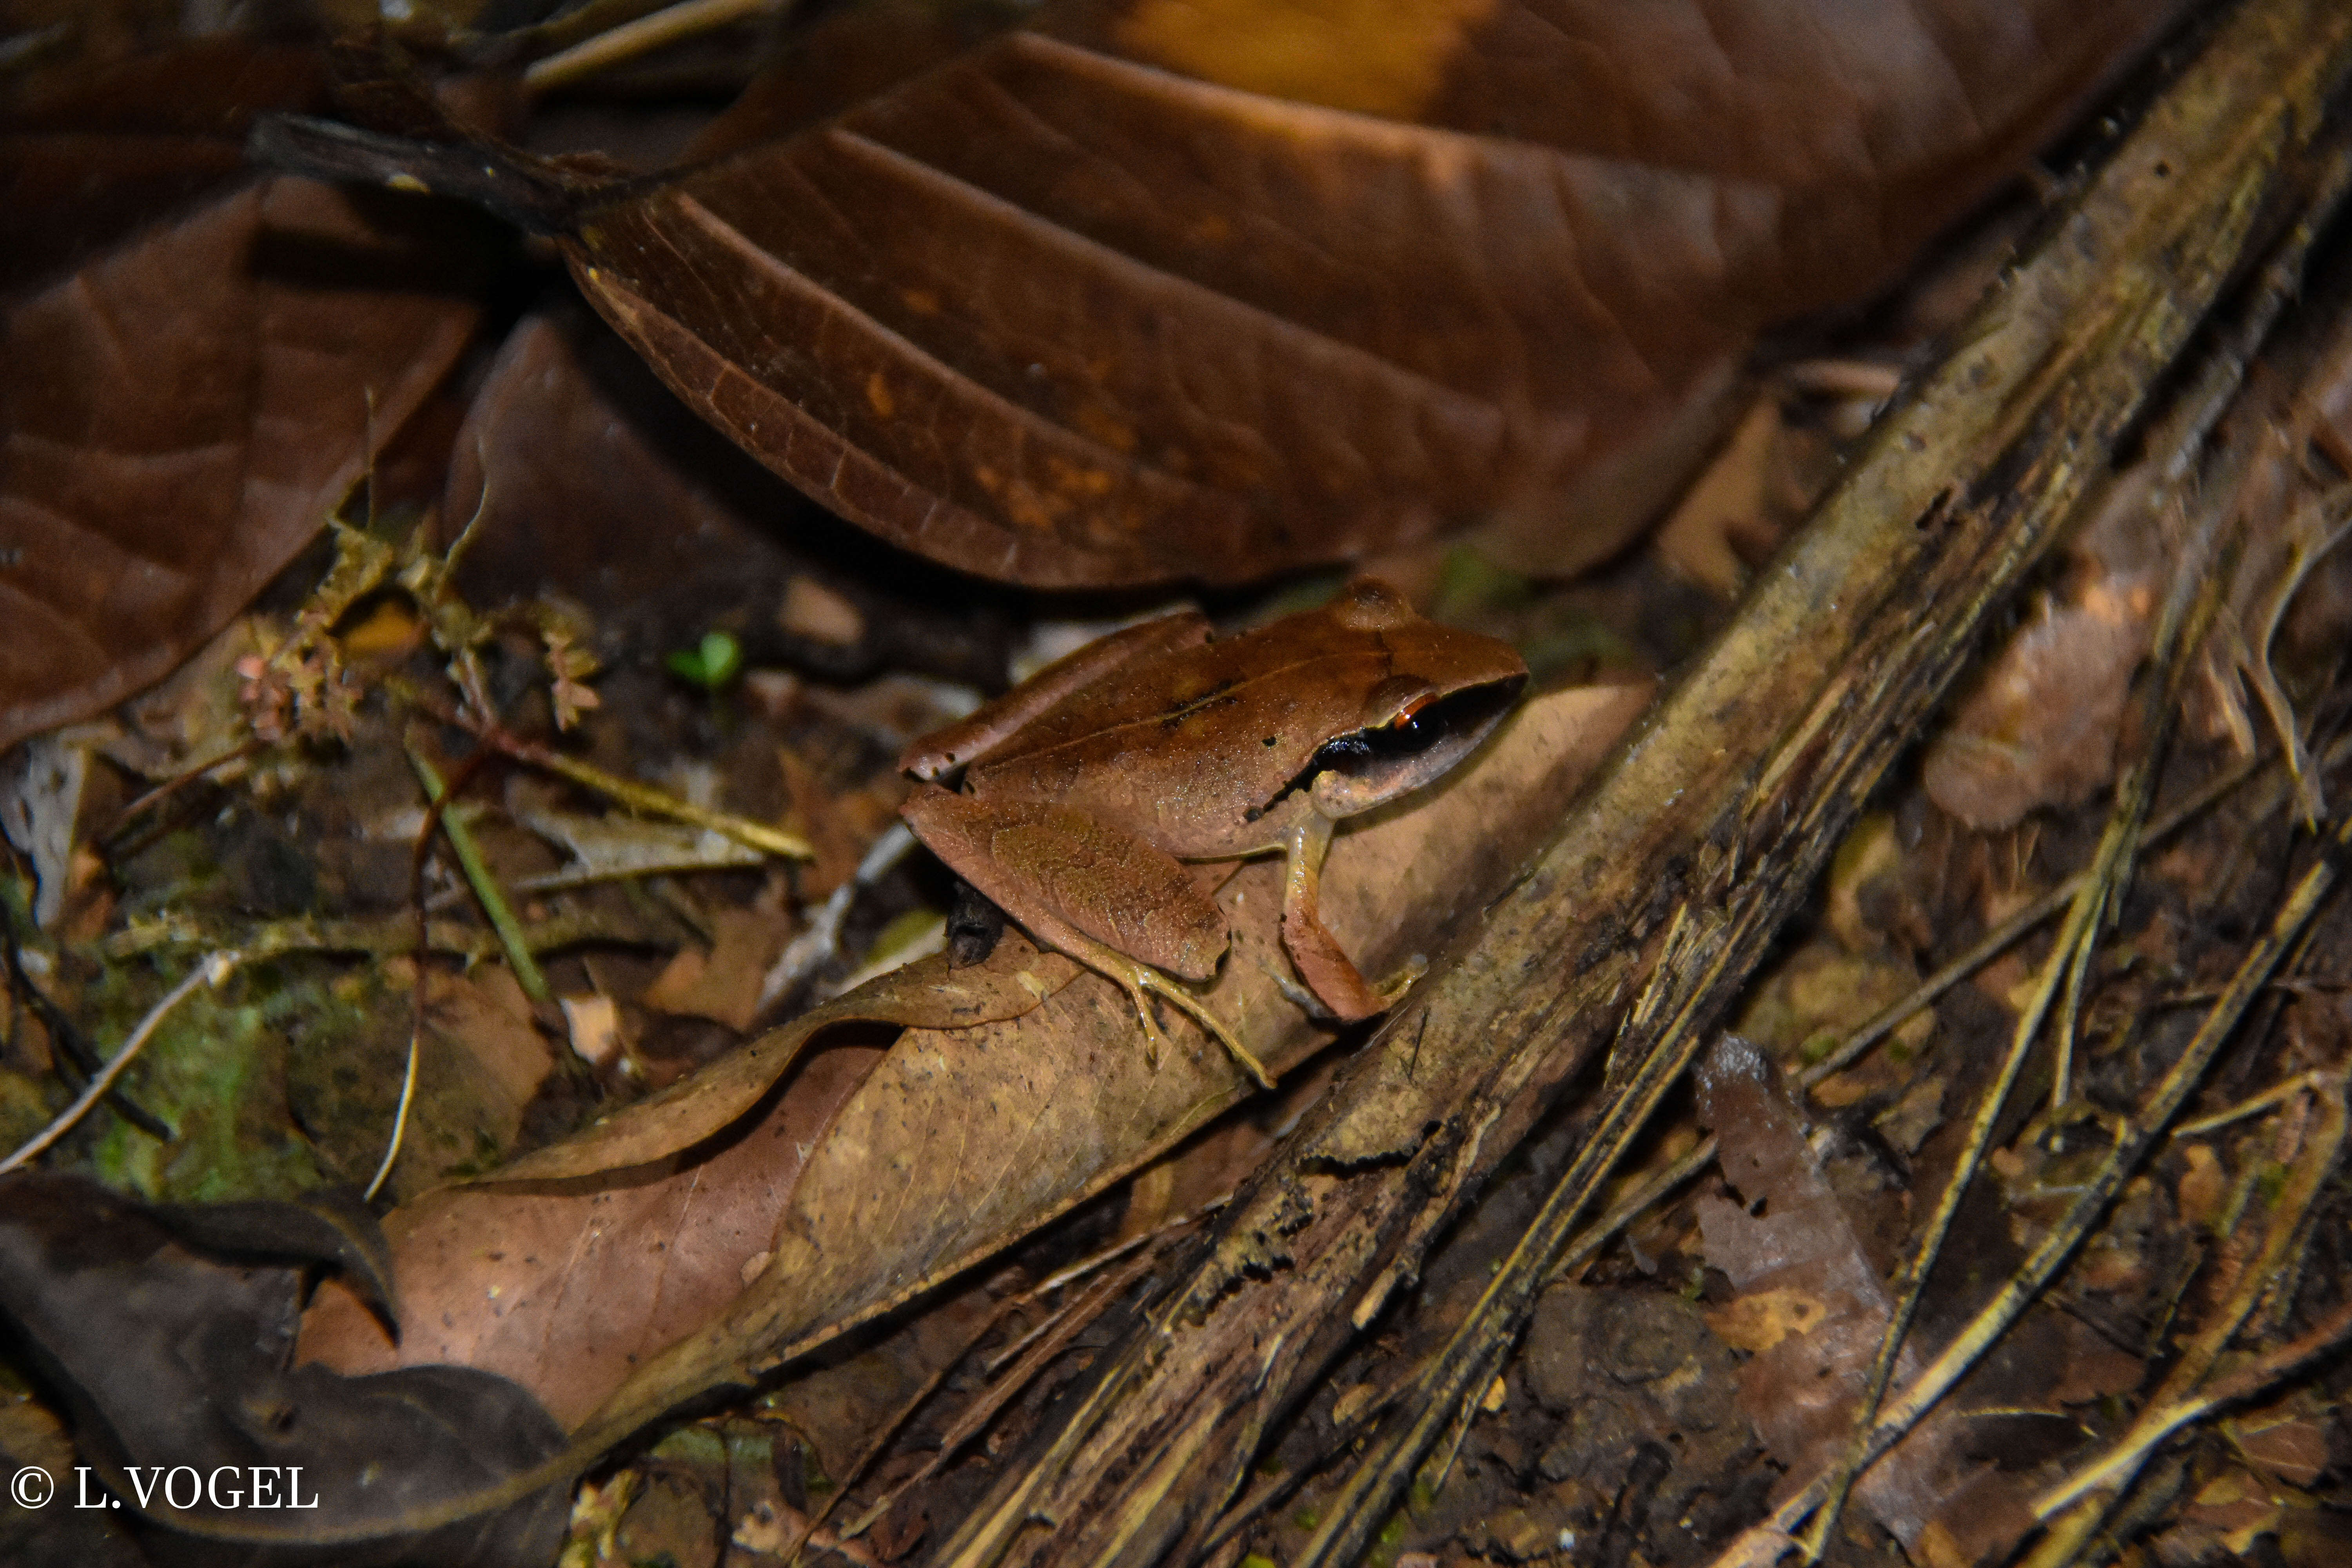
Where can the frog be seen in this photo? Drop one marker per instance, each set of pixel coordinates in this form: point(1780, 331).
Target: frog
point(1079, 801)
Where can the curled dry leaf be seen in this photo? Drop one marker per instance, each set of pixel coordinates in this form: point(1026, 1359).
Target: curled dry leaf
point(184, 403)
point(1157, 290)
point(713, 1230)
point(584, 1258)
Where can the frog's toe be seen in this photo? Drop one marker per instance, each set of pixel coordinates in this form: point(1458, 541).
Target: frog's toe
point(1376, 999)
point(1141, 982)
point(1391, 990)
point(1191, 1008)
point(1152, 1038)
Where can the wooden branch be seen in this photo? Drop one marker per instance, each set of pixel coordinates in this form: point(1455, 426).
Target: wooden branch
point(1645, 917)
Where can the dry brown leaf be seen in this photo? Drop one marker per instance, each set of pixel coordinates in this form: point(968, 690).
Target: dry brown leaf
point(723, 985)
point(2204, 1187)
point(877, 1173)
point(1159, 290)
point(589, 1256)
point(1762, 1318)
point(1800, 1385)
point(2291, 1448)
point(168, 1330)
point(584, 485)
point(2041, 726)
point(180, 411)
point(1724, 503)
point(481, 1063)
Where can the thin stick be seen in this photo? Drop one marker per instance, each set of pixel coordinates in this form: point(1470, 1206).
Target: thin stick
point(384, 935)
point(2216, 385)
point(637, 797)
point(813, 1533)
point(174, 784)
point(2314, 1082)
point(1987, 948)
point(438, 799)
point(67, 1046)
point(2250, 980)
point(1990, 945)
point(211, 972)
point(400, 1116)
point(1061, 1329)
point(643, 36)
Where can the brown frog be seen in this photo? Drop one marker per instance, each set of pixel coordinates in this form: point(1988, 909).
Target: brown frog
point(1086, 787)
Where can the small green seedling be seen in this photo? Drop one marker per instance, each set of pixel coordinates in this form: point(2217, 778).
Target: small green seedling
point(713, 664)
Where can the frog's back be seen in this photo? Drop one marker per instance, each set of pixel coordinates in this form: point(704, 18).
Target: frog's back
point(1192, 751)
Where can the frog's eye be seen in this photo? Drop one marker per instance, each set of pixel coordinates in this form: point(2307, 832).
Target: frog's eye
point(1422, 721)
point(1427, 733)
point(1395, 699)
point(1407, 726)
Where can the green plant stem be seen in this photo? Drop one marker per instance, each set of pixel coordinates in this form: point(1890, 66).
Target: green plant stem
point(511, 937)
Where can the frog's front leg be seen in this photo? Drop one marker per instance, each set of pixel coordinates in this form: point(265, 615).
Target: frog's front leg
point(1327, 970)
point(1124, 908)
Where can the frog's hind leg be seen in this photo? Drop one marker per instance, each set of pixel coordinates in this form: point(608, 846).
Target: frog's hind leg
point(1124, 908)
point(1141, 983)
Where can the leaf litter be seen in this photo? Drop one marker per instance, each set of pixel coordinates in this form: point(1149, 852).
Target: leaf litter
point(885, 1193)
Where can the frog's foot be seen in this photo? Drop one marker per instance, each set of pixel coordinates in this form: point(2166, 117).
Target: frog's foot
point(1141, 983)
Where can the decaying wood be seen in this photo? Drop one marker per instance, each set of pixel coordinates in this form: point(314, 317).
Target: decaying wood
point(1646, 915)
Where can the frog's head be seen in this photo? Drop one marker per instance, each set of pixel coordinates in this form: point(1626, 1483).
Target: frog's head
point(1446, 690)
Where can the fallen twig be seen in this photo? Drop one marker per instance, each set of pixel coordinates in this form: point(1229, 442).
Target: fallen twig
point(2188, 612)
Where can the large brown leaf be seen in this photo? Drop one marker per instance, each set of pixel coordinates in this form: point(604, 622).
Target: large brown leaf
point(1171, 289)
point(181, 406)
point(698, 1236)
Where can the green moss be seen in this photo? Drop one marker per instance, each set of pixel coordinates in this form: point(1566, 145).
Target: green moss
point(25, 1108)
point(214, 1072)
